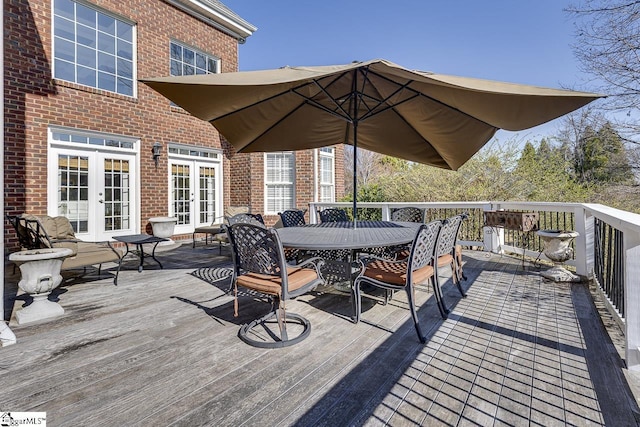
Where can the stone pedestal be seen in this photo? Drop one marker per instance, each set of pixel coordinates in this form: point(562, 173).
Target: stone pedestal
point(556, 248)
point(40, 274)
point(7, 337)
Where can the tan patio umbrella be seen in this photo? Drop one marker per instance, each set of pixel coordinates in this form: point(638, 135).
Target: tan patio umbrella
point(420, 116)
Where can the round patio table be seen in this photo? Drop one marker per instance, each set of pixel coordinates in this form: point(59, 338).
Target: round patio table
point(342, 235)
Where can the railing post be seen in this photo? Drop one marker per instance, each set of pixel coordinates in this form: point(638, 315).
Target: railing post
point(493, 237)
point(386, 213)
point(632, 300)
point(584, 256)
point(313, 217)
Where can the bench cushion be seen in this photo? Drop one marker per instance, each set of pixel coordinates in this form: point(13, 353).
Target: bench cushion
point(58, 228)
point(89, 254)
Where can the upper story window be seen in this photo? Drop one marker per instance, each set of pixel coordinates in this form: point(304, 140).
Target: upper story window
point(93, 48)
point(279, 182)
point(326, 161)
point(186, 61)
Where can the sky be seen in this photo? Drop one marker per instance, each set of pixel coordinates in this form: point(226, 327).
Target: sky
point(519, 41)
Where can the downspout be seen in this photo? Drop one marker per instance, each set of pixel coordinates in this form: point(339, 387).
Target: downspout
point(7, 337)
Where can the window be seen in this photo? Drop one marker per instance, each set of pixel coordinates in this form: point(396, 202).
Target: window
point(91, 139)
point(326, 160)
point(279, 182)
point(186, 61)
point(92, 48)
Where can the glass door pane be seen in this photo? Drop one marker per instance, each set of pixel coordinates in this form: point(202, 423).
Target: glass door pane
point(207, 213)
point(117, 197)
point(181, 193)
point(73, 190)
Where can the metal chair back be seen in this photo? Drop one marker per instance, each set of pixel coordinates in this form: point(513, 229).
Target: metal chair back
point(423, 247)
point(292, 218)
point(449, 235)
point(446, 251)
point(408, 214)
point(31, 234)
point(256, 249)
point(333, 215)
point(255, 219)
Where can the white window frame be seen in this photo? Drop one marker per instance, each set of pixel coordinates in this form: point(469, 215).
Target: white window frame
point(268, 184)
point(55, 39)
point(196, 52)
point(330, 154)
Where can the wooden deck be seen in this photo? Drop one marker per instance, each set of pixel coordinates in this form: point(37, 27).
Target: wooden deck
point(161, 348)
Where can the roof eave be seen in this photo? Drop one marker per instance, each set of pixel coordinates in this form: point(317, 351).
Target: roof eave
point(217, 15)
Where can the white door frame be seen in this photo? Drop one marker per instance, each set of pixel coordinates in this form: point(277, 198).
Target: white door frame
point(96, 155)
point(193, 158)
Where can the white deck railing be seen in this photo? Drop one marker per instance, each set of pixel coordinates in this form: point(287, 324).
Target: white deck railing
point(583, 216)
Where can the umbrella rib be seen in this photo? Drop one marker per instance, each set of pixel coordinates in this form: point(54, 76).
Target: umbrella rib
point(375, 111)
point(335, 101)
point(294, 90)
point(316, 104)
point(418, 93)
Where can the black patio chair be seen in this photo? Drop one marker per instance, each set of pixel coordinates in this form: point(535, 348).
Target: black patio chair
point(259, 265)
point(333, 215)
point(419, 267)
point(248, 218)
point(407, 214)
point(447, 252)
point(215, 228)
point(292, 217)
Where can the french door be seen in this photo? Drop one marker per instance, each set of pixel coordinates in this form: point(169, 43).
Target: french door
point(195, 189)
point(95, 189)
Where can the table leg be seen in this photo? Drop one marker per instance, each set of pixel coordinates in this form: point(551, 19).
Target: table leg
point(115, 279)
point(141, 256)
point(153, 255)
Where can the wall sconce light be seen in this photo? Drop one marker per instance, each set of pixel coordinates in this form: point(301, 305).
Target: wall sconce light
point(156, 150)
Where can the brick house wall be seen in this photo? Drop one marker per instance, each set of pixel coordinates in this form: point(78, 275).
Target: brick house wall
point(34, 101)
point(247, 176)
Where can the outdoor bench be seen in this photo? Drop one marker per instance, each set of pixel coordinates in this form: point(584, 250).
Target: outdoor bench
point(37, 232)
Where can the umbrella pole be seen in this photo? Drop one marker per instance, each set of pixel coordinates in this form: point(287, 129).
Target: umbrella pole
point(355, 175)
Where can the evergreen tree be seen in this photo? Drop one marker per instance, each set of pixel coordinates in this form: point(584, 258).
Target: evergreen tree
point(601, 157)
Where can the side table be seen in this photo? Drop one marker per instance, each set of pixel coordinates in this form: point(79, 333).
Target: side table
point(139, 240)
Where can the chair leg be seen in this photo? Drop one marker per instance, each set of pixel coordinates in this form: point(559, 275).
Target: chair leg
point(437, 293)
point(281, 314)
point(456, 277)
point(414, 314)
point(388, 296)
point(356, 295)
point(458, 258)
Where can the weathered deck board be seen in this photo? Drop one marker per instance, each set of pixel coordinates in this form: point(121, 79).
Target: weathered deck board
point(161, 348)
